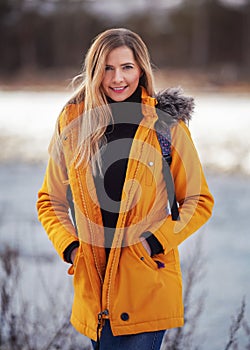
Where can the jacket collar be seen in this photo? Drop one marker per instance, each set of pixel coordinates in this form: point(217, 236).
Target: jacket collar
point(148, 106)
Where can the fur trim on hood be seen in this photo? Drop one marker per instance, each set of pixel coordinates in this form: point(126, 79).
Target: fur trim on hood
point(173, 106)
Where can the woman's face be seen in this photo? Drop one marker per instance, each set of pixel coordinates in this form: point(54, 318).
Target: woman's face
point(122, 74)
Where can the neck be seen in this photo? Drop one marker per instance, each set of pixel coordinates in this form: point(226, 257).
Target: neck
point(129, 112)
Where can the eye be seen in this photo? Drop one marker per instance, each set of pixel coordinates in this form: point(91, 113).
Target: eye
point(127, 67)
point(107, 68)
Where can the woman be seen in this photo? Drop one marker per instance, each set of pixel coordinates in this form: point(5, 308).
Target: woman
point(106, 154)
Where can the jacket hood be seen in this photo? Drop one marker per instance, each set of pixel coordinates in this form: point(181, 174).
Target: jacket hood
point(173, 106)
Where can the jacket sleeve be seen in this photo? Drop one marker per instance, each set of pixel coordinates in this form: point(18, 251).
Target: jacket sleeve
point(53, 207)
point(192, 192)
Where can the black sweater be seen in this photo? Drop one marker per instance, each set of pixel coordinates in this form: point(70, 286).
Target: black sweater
point(119, 134)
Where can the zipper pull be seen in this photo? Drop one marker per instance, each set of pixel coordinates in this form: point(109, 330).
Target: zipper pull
point(101, 314)
point(99, 326)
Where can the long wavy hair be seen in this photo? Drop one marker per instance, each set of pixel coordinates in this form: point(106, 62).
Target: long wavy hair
point(97, 114)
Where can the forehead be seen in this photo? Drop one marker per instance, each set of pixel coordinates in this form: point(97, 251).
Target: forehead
point(120, 55)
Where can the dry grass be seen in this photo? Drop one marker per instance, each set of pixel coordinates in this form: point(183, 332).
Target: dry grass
point(27, 327)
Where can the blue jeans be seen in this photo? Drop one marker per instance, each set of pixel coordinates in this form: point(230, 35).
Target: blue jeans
point(141, 341)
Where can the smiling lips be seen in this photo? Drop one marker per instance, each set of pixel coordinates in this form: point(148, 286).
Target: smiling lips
point(118, 89)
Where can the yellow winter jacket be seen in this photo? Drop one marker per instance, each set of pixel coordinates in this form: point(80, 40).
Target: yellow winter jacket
point(131, 290)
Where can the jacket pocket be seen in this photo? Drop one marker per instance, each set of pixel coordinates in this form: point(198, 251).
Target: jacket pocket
point(158, 262)
point(143, 255)
point(72, 268)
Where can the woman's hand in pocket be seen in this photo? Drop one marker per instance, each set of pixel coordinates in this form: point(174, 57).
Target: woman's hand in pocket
point(145, 245)
point(73, 255)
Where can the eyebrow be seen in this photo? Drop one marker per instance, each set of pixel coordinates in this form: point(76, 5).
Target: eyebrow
point(123, 64)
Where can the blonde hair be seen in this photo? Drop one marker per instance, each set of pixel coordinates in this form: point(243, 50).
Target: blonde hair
point(97, 114)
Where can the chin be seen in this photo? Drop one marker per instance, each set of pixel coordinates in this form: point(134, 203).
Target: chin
point(119, 98)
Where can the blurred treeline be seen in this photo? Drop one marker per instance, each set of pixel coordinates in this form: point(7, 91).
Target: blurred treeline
point(55, 34)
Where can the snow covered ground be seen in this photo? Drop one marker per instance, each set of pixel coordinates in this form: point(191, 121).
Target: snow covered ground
point(220, 127)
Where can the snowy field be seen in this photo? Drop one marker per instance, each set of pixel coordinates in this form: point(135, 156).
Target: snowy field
point(220, 128)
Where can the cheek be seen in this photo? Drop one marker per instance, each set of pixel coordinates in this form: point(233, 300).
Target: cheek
point(104, 80)
point(137, 76)
point(136, 79)
point(105, 83)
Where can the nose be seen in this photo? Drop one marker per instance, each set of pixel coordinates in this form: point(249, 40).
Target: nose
point(118, 76)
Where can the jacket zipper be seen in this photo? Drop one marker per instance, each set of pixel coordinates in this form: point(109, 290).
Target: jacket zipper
point(124, 216)
point(100, 324)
